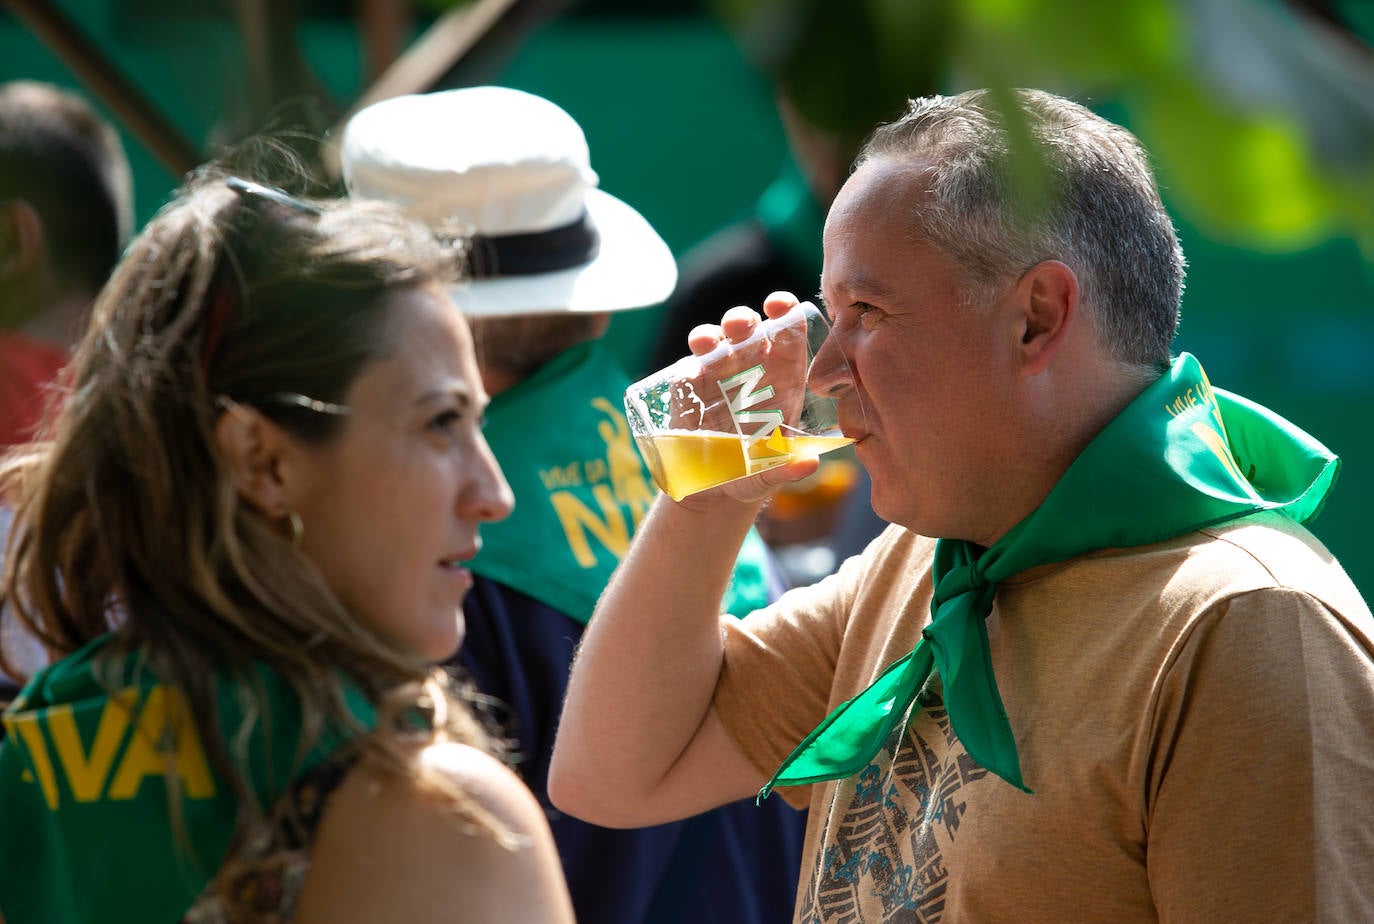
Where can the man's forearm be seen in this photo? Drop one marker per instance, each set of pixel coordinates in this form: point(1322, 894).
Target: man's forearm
point(646, 670)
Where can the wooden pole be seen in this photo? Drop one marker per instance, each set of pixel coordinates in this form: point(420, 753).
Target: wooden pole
point(105, 81)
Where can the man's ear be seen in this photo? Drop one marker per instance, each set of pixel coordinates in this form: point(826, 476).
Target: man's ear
point(1047, 297)
point(23, 240)
point(252, 447)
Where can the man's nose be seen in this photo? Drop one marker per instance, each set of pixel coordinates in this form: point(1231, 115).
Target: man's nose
point(830, 374)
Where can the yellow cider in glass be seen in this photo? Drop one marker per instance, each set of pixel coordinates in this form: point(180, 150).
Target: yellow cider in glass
point(684, 462)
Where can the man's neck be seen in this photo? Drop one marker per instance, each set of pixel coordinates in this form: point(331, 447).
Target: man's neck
point(62, 321)
point(1087, 396)
point(496, 380)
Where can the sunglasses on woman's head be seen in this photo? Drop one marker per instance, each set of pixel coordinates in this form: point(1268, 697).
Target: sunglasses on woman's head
point(253, 194)
point(225, 297)
point(250, 190)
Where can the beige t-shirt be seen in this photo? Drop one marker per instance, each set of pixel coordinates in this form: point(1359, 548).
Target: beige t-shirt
point(1195, 718)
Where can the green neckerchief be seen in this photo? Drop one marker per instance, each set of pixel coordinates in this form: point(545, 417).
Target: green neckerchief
point(84, 778)
point(793, 219)
point(1180, 457)
point(581, 487)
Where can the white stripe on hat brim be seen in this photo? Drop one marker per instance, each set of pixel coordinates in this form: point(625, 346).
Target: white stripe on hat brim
point(633, 269)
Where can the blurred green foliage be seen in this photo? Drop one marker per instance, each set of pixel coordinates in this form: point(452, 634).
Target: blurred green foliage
point(1261, 120)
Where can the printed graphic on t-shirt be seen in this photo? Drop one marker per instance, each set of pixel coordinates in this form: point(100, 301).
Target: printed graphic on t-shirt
point(884, 860)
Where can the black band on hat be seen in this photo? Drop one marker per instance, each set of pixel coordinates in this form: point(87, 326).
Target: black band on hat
point(534, 252)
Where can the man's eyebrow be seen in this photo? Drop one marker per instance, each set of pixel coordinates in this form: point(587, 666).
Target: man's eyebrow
point(863, 285)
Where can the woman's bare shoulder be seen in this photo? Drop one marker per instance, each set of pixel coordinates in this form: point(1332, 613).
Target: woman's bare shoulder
point(388, 848)
point(489, 782)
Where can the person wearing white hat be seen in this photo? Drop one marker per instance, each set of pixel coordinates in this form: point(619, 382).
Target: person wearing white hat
point(504, 177)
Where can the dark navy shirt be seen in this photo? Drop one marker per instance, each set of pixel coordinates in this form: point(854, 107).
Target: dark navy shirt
point(737, 864)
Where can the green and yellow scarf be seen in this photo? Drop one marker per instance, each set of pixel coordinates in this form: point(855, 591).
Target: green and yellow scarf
point(111, 807)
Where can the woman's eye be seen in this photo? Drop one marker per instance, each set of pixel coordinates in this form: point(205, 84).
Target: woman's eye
point(445, 421)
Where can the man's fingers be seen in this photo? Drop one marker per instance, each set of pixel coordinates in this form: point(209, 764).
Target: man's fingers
point(765, 483)
point(779, 303)
point(739, 323)
point(703, 338)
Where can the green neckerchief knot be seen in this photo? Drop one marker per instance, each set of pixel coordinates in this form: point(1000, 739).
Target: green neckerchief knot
point(1180, 457)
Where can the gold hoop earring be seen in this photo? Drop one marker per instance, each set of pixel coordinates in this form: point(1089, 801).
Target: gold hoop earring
point(293, 520)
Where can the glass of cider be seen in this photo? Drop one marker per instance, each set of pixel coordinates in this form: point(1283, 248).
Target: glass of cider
point(742, 408)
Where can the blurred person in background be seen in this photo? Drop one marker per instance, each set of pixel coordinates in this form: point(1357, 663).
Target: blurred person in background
point(1096, 642)
point(269, 464)
point(66, 211)
point(505, 176)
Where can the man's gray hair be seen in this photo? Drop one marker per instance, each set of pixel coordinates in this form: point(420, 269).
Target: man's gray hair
point(1093, 206)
